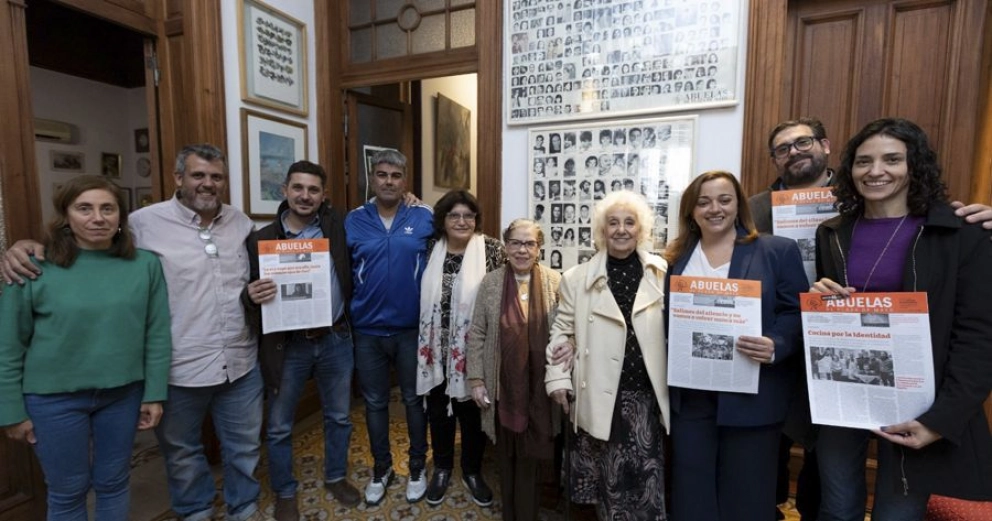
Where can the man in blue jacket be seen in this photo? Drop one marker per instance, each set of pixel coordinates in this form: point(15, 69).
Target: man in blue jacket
point(387, 239)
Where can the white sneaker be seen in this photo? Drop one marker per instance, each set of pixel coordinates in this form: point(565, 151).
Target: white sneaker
point(416, 487)
point(376, 489)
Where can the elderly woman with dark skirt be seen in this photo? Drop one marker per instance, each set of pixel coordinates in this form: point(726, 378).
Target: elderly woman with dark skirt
point(896, 232)
point(460, 256)
point(506, 365)
point(611, 309)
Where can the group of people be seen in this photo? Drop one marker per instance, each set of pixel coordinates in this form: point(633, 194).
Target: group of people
point(485, 339)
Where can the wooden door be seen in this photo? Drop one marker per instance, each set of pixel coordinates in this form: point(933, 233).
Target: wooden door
point(849, 62)
point(375, 122)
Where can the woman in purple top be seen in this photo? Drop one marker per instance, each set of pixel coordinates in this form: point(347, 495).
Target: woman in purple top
point(896, 232)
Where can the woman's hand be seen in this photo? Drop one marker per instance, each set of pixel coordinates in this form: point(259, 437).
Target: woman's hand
point(151, 413)
point(481, 396)
point(826, 285)
point(912, 434)
point(561, 398)
point(564, 355)
point(761, 349)
point(262, 291)
point(23, 431)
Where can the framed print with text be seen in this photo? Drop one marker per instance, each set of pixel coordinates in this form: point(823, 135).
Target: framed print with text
point(572, 167)
point(591, 59)
point(273, 52)
point(270, 145)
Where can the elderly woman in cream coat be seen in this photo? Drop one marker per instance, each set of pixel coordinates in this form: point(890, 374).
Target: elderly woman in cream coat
point(506, 364)
point(612, 308)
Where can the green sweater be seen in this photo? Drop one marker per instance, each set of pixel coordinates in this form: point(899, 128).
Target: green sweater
point(101, 323)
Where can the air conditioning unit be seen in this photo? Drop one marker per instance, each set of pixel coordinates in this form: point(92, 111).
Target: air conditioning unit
point(57, 131)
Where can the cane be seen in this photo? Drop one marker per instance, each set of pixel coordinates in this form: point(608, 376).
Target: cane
point(567, 459)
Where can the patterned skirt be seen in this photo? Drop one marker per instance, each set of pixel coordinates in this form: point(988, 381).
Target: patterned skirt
point(623, 477)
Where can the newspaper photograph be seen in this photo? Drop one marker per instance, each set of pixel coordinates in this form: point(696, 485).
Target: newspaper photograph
point(705, 317)
point(796, 214)
point(301, 269)
point(869, 360)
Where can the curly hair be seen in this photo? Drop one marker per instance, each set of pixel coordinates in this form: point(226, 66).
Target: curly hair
point(623, 200)
point(689, 233)
point(925, 185)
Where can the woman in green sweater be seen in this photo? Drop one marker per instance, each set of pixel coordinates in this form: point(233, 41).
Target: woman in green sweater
point(85, 352)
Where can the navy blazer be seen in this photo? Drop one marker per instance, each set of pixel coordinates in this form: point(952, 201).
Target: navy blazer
point(775, 261)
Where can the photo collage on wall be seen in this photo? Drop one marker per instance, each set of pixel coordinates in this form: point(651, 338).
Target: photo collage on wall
point(571, 168)
point(591, 58)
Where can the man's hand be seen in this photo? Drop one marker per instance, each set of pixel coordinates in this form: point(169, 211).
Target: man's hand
point(912, 434)
point(974, 213)
point(23, 431)
point(151, 413)
point(16, 263)
point(561, 398)
point(262, 291)
point(564, 355)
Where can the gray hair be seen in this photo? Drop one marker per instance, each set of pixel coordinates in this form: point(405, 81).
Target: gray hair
point(389, 157)
point(627, 200)
point(204, 151)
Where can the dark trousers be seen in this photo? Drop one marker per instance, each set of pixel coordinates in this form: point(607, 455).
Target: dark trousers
point(443, 431)
point(807, 484)
point(517, 478)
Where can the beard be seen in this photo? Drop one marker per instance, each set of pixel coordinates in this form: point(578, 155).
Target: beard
point(190, 199)
point(807, 174)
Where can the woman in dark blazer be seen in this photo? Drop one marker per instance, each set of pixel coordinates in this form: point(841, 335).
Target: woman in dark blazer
point(724, 444)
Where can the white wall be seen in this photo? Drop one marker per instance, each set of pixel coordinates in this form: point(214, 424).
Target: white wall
point(104, 126)
point(462, 89)
point(719, 136)
point(301, 10)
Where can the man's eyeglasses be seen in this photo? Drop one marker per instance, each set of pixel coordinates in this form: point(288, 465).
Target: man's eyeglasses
point(208, 247)
point(514, 244)
point(802, 144)
point(455, 217)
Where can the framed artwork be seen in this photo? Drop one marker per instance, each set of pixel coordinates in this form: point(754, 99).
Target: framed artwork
point(368, 151)
point(110, 165)
point(452, 145)
point(141, 140)
point(573, 167)
point(128, 206)
point(143, 197)
point(67, 161)
point(585, 59)
point(273, 51)
point(270, 145)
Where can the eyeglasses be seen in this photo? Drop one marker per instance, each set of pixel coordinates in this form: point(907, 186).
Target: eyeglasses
point(209, 247)
point(802, 144)
point(455, 217)
point(514, 244)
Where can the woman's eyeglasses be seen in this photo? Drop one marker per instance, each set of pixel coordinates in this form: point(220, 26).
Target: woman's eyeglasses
point(514, 244)
point(208, 239)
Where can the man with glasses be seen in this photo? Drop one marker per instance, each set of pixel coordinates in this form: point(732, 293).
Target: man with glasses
point(201, 244)
point(799, 149)
point(289, 358)
point(387, 239)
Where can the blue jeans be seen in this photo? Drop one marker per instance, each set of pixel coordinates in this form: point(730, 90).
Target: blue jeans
point(236, 410)
point(373, 356)
point(841, 454)
point(73, 428)
point(331, 361)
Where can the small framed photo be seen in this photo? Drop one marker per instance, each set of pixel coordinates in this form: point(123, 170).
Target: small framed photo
point(270, 145)
point(68, 161)
point(142, 197)
point(141, 140)
point(126, 195)
point(273, 52)
point(110, 165)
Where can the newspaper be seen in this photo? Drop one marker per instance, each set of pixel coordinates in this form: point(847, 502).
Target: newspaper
point(705, 317)
point(869, 358)
point(301, 270)
point(796, 214)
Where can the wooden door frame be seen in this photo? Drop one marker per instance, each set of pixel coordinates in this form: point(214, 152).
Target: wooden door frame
point(765, 103)
point(485, 59)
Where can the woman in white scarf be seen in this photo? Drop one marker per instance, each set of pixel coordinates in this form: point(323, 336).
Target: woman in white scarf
point(459, 258)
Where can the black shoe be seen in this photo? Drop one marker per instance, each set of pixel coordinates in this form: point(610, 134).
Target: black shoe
point(481, 493)
point(438, 487)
